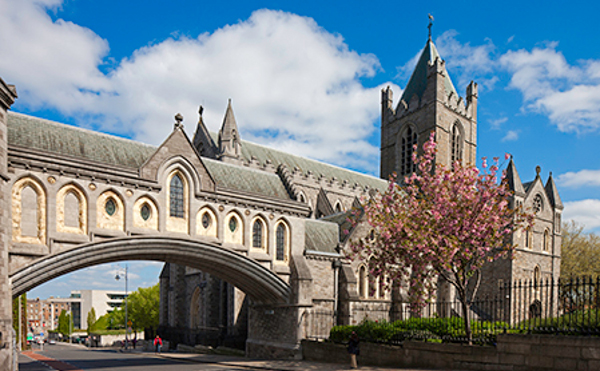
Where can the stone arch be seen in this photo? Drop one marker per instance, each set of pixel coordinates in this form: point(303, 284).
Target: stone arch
point(260, 233)
point(207, 222)
point(407, 138)
point(282, 241)
point(177, 195)
point(257, 281)
point(110, 211)
point(29, 211)
point(182, 164)
point(145, 213)
point(66, 221)
point(233, 231)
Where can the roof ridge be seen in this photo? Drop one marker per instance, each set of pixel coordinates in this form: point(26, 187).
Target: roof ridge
point(78, 128)
point(311, 159)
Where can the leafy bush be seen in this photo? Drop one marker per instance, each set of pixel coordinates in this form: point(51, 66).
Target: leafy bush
point(429, 329)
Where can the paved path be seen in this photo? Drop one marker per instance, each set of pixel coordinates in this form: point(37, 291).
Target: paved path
point(278, 365)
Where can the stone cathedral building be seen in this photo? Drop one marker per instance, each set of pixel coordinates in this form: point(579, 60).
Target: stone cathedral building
point(251, 237)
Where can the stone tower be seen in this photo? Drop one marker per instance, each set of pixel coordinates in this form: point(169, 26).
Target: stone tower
point(429, 103)
point(8, 94)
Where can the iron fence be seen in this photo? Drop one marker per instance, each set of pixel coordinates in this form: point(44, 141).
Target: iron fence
point(567, 306)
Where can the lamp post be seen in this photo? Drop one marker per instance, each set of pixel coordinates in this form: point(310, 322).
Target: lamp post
point(118, 277)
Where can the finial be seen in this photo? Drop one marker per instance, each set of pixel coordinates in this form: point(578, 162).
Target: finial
point(430, 25)
point(538, 169)
point(178, 119)
point(200, 110)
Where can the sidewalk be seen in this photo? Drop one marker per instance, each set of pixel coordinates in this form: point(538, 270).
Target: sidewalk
point(278, 365)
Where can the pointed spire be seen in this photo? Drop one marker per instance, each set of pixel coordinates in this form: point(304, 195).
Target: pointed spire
point(203, 141)
point(418, 80)
point(514, 181)
point(552, 193)
point(229, 137)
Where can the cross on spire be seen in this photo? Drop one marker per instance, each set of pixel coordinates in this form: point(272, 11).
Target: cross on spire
point(430, 25)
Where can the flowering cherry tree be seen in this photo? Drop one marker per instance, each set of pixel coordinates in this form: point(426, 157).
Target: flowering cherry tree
point(440, 222)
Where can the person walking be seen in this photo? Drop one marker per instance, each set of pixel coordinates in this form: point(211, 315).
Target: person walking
point(157, 343)
point(353, 349)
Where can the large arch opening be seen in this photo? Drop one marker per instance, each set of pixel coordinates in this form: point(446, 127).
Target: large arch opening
point(260, 283)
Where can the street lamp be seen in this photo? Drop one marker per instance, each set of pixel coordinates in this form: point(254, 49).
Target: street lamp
point(118, 277)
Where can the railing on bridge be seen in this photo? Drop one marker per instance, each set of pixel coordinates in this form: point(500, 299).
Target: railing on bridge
point(567, 306)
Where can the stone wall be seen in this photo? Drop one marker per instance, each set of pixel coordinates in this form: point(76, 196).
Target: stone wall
point(512, 352)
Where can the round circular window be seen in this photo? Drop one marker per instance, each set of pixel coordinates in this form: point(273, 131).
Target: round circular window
point(232, 224)
point(145, 212)
point(110, 207)
point(205, 220)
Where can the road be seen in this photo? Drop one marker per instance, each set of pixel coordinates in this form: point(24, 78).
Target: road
point(64, 357)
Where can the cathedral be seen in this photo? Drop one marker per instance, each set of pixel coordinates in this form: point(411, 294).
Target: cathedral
point(252, 238)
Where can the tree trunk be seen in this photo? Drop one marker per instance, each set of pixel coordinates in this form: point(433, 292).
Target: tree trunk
point(465, 309)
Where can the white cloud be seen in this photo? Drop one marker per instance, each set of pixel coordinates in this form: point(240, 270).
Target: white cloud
point(287, 77)
point(580, 178)
point(568, 94)
point(584, 212)
point(495, 124)
point(466, 62)
point(511, 136)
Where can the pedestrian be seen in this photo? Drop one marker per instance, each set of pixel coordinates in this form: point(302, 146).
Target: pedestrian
point(157, 343)
point(353, 349)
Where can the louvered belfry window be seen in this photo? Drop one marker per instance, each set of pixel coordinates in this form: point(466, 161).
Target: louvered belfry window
point(176, 189)
point(409, 139)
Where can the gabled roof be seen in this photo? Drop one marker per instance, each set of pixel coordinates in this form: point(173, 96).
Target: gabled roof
point(514, 181)
point(552, 193)
point(345, 227)
point(263, 154)
point(245, 179)
point(49, 136)
point(418, 80)
point(320, 236)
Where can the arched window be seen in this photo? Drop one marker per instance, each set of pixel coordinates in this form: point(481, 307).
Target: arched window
point(110, 211)
point(281, 243)
point(537, 276)
point(302, 198)
point(176, 195)
point(29, 212)
point(538, 204)
point(145, 213)
point(456, 145)
point(373, 283)
point(71, 210)
point(362, 282)
point(546, 243)
point(527, 239)
point(206, 222)
point(258, 234)
point(338, 207)
point(195, 309)
point(407, 141)
point(234, 229)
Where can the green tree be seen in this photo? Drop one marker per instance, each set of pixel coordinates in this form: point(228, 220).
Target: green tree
point(91, 320)
point(24, 328)
point(65, 323)
point(143, 307)
point(580, 255)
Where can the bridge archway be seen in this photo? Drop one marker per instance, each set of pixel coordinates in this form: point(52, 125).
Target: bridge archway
point(260, 283)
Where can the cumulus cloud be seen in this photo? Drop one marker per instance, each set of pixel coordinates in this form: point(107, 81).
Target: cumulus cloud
point(568, 94)
point(584, 212)
point(511, 136)
point(294, 85)
point(582, 178)
point(497, 123)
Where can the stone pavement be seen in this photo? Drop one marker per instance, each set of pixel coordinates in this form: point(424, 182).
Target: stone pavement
point(278, 365)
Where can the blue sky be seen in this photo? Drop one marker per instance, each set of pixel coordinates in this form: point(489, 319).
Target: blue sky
point(305, 77)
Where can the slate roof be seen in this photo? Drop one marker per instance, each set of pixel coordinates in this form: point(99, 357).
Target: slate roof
point(320, 236)
point(245, 179)
point(66, 140)
point(262, 154)
point(418, 79)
